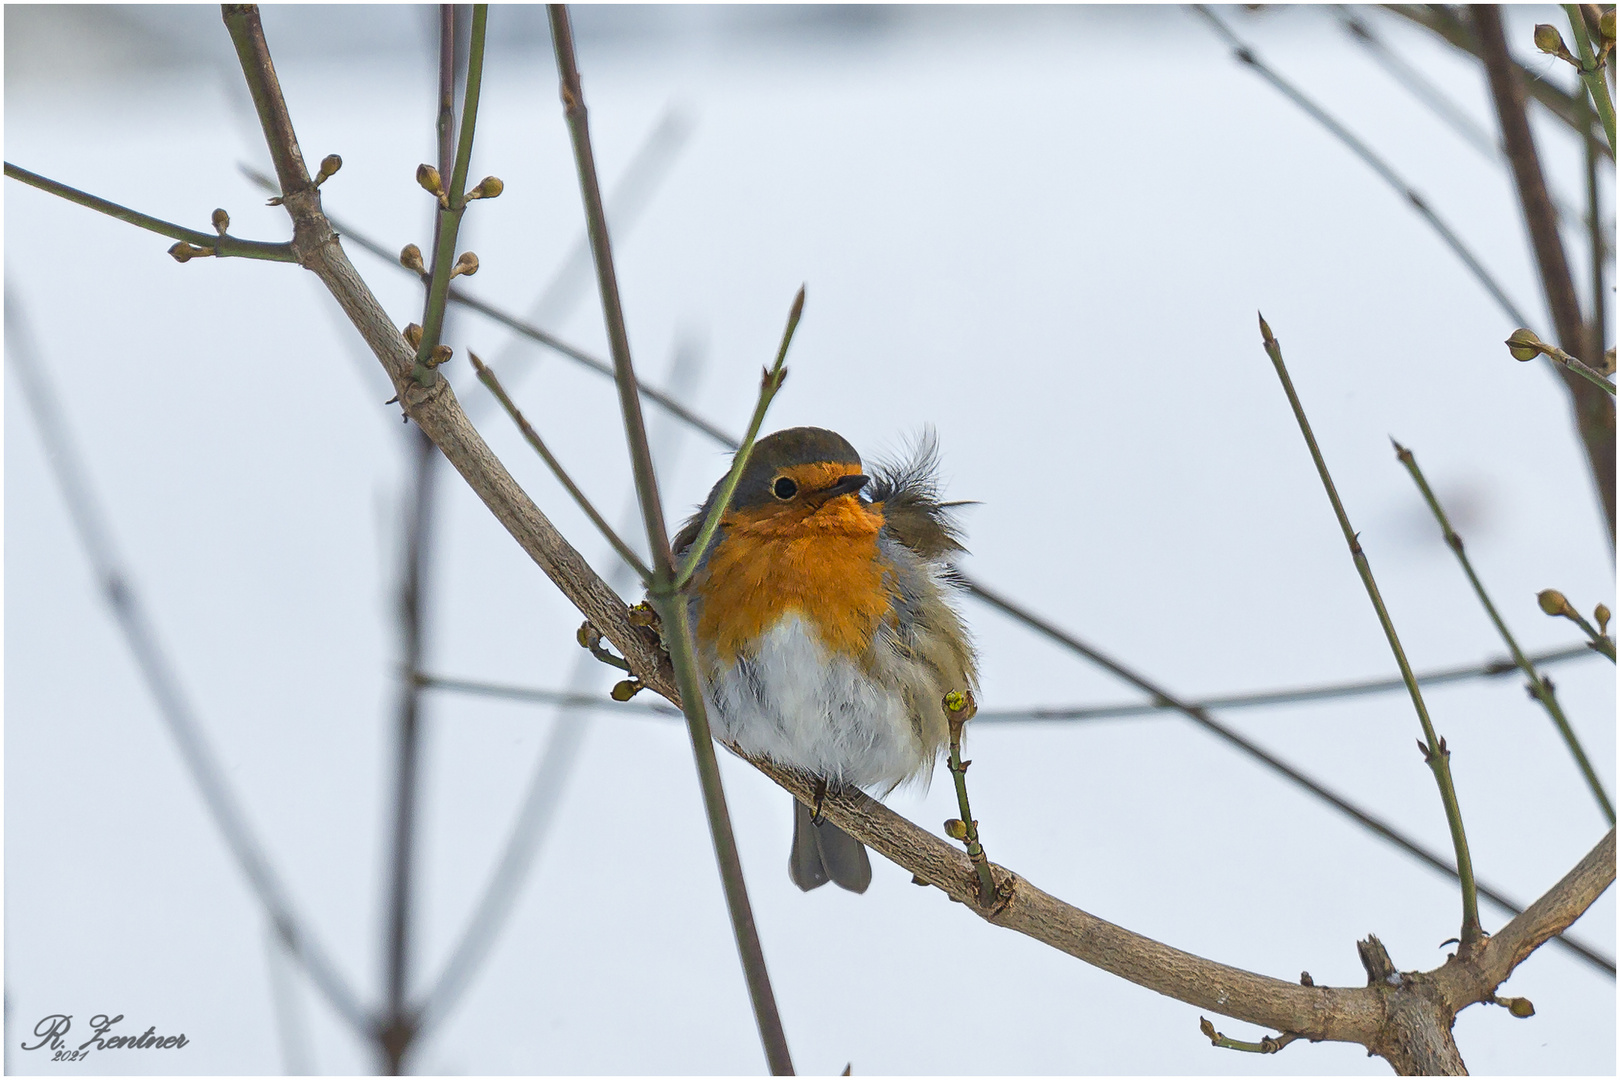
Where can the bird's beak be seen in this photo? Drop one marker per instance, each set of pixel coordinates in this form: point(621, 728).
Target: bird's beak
point(845, 485)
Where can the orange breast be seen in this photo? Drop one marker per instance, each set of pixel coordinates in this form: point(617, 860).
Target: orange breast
point(820, 563)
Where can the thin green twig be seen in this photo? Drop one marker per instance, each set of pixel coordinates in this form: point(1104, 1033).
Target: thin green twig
point(221, 246)
point(453, 206)
point(670, 604)
point(1540, 688)
point(1266, 1045)
point(1557, 604)
point(1378, 165)
point(1072, 713)
point(626, 552)
point(1591, 73)
point(1435, 753)
point(770, 382)
point(959, 709)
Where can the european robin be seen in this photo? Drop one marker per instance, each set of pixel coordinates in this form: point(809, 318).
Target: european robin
point(825, 628)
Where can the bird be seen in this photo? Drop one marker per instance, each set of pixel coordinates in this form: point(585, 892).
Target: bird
point(826, 627)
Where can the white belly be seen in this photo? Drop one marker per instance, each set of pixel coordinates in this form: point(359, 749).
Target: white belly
point(793, 702)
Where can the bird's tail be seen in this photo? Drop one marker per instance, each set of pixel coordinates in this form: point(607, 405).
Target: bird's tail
point(824, 852)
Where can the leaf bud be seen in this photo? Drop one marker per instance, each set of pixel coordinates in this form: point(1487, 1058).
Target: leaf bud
point(488, 188)
point(466, 264)
point(428, 177)
point(1549, 40)
point(441, 354)
point(1519, 1007)
point(222, 221)
point(626, 689)
point(956, 829)
point(410, 257)
point(1601, 615)
point(1606, 24)
point(185, 252)
point(330, 164)
point(413, 334)
point(1524, 344)
point(1553, 602)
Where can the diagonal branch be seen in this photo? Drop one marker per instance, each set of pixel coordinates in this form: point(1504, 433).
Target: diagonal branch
point(212, 243)
point(1594, 410)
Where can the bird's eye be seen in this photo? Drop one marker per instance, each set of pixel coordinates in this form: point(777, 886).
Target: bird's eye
point(784, 488)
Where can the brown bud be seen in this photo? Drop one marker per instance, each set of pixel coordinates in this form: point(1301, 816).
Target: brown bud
point(410, 257)
point(441, 354)
point(466, 264)
point(413, 334)
point(488, 188)
point(1600, 615)
point(1554, 602)
point(642, 614)
point(428, 177)
point(956, 829)
point(330, 164)
point(1524, 344)
point(222, 221)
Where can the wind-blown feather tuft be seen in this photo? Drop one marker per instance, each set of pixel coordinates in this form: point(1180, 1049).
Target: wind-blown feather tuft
point(908, 488)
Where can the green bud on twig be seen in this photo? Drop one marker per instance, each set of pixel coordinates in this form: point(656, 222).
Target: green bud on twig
point(488, 188)
point(184, 252)
point(410, 257)
point(222, 221)
point(1524, 344)
point(428, 177)
point(1554, 603)
point(626, 689)
point(956, 829)
point(1551, 42)
point(466, 264)
point(1601, 615)
point(330, 164)
point(1519, 1007)
point(1606, 26)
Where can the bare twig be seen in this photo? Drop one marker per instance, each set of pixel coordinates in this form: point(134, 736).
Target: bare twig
point(161, 680)
point(1452, 26)
point(452, 205)
point(670, 604)
point(959, 709)
point(1365, 818)
point(556, 761)
point(1590, 73)
point(208, 243)
point(1247, 55)
point(626, 552)
point(770, 382)
point(1435, 754)
point(397, 1030)
point(1540, 688)
point(1594, 410)
point(1266, 1045)
point(1057, 713)
point(1300, 695)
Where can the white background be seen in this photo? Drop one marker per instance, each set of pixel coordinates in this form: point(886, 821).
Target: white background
point(1044, 232)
